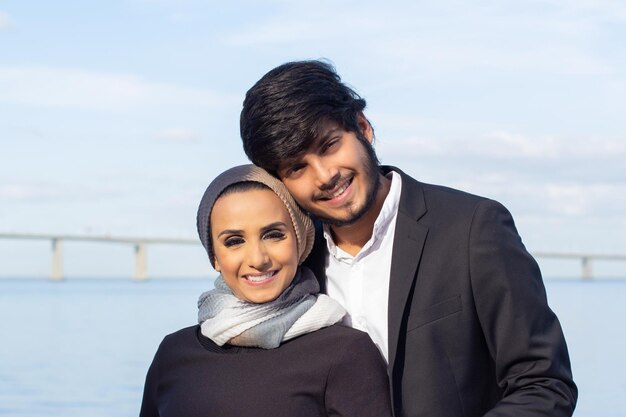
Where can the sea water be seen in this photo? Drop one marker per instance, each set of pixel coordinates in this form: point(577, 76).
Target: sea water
point(81, 348)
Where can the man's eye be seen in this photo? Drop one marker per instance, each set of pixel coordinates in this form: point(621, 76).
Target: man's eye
point(233, 241)
point(294, 169)
point(330, 144)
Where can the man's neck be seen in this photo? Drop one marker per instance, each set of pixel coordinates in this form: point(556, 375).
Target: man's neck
point(353, 237)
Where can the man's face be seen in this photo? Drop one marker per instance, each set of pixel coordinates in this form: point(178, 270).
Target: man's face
point(336, 179)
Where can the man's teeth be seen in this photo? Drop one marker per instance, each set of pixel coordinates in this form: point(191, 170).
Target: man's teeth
point(340, 190)
point(258, 278)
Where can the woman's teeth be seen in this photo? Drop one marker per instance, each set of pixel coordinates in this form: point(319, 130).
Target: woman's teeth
point(259, 278)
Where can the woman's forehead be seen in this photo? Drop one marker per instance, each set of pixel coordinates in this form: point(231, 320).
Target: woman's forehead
point(249, 207)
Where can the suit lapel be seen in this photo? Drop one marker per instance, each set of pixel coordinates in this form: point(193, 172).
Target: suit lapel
point(408, 244)
point(316, 261)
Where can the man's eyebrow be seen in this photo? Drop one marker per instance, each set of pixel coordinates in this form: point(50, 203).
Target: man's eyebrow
point(322, 138)
point(317, 143)
point(327, 134)
point(287, 164)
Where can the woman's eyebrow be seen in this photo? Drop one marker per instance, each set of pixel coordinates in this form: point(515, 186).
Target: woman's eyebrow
point(264, 229)
point(229, 232)
point(273, 226)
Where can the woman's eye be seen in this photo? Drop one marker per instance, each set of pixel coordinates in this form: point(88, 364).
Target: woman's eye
point(274, 234)
point(233, 241)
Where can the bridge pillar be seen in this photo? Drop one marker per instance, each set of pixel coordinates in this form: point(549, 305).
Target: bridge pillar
point(141, 268)
point(57, 260)
point(587, 270)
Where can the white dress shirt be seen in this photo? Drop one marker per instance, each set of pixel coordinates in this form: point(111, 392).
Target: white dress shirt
point(361, 283)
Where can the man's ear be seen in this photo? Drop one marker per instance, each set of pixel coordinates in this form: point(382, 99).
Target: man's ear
point(365, 127)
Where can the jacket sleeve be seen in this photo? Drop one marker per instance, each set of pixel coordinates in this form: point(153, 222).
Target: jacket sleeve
point(523, 335)
point(149, 402)
point(357, 383)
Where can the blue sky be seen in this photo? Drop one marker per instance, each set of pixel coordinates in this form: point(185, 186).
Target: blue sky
point(114, 116)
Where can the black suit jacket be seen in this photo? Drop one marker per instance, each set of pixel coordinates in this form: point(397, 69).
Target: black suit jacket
point(470, 330)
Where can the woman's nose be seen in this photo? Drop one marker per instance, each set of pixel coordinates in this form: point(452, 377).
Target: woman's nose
point(258, 257)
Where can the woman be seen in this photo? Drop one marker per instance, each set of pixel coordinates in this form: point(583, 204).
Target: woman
point(267, 343)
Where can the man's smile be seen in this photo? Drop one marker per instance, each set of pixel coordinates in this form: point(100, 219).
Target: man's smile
point(337, 191)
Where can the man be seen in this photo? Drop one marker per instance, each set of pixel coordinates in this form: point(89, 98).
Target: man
point(439, 278)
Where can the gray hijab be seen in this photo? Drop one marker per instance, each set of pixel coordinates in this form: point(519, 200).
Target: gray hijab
point(302, 224)
point(298, 310)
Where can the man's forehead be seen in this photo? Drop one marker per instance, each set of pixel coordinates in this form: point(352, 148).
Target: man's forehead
point(323, 131)
point(316, 140)
point(326, 128)
point(321, 134)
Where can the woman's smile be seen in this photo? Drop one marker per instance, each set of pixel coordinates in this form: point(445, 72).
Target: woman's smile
point(260, 279)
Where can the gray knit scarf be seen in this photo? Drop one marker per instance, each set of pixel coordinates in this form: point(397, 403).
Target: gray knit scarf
point(225, 318)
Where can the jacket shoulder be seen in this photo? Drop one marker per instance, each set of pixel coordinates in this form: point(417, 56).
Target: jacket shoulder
point(417, 195)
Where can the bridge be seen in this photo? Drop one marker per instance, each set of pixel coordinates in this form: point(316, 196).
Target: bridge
point(139, 245)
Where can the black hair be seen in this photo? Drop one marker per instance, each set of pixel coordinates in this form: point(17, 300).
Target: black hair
point(284, 111)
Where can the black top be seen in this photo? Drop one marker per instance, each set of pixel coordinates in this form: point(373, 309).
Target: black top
point(335, 371)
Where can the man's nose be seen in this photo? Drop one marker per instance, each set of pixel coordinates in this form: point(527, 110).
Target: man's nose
point(326, 175)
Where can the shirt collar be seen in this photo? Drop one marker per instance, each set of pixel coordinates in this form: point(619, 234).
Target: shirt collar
point(381, 225)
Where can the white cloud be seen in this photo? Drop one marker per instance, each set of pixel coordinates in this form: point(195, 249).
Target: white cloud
point(177, 135)
point(593, 9)
point(506, 145)
point(273, 33)
point(448, 37)
point(38, 191)
point(599, 201)
point(298, 22)
point(30, 192)
point(416, 54)
point(548, 176)
point(5, 21)
point(588, 202)
point(570, 200)
point(511, 145)
point(75, 88)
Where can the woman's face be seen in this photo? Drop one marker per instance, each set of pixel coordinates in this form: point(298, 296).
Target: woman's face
point(254, 244)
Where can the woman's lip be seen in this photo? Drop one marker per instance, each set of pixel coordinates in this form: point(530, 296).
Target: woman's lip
point(257, 280)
